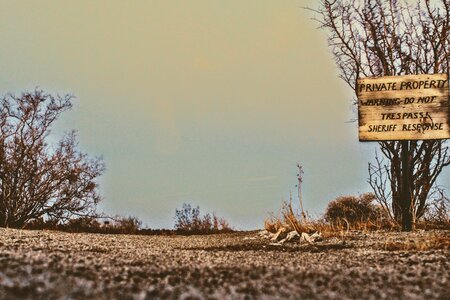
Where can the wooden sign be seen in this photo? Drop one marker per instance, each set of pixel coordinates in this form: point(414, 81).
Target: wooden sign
point(410, 107)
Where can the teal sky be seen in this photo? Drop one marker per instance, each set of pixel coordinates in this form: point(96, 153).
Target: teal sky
point(206, 102)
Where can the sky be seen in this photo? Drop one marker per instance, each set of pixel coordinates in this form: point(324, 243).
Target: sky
point(210, 103)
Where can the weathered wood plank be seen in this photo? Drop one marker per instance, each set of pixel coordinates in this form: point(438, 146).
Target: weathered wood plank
point(410, 107)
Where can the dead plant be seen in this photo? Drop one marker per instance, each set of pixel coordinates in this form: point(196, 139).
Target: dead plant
point(420, 244)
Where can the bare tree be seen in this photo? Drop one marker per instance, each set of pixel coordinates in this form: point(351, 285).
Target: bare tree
point(388, 38)
point(37, 180)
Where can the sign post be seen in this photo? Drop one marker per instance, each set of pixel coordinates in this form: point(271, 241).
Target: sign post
point(404, 108)
point(405, 191)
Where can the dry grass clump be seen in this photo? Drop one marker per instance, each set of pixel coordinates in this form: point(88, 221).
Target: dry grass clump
point(379, 223)
point(420, 244)
point(273, 223)
point(343, 214)
point(288, 219)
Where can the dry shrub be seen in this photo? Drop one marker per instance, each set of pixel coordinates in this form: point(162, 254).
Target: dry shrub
point(90, 224)
point(357, 212)
point(428, 243)
point(343, 214)
point(40, 180)
point(82, 224)
point(437, 211)
point(41, 224)
point(126, 225)
point(115, 225)
point(188, 220)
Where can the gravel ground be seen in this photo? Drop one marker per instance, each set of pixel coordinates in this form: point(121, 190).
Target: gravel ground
point(56, 265)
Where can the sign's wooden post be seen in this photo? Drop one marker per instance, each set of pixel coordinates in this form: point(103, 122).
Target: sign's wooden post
point(404, 108)
point(407, 209)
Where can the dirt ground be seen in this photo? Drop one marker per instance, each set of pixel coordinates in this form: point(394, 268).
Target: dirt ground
point(56, 265)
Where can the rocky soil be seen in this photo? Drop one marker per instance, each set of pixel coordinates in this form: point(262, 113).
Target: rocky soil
point(56, 265)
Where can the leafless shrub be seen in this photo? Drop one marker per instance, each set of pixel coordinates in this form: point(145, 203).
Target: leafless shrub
point(38, 181)
point(91, 224)
point(188, 220)
point(41, 224)
point(82, 224)
point(437, 212)
point(126, 225)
